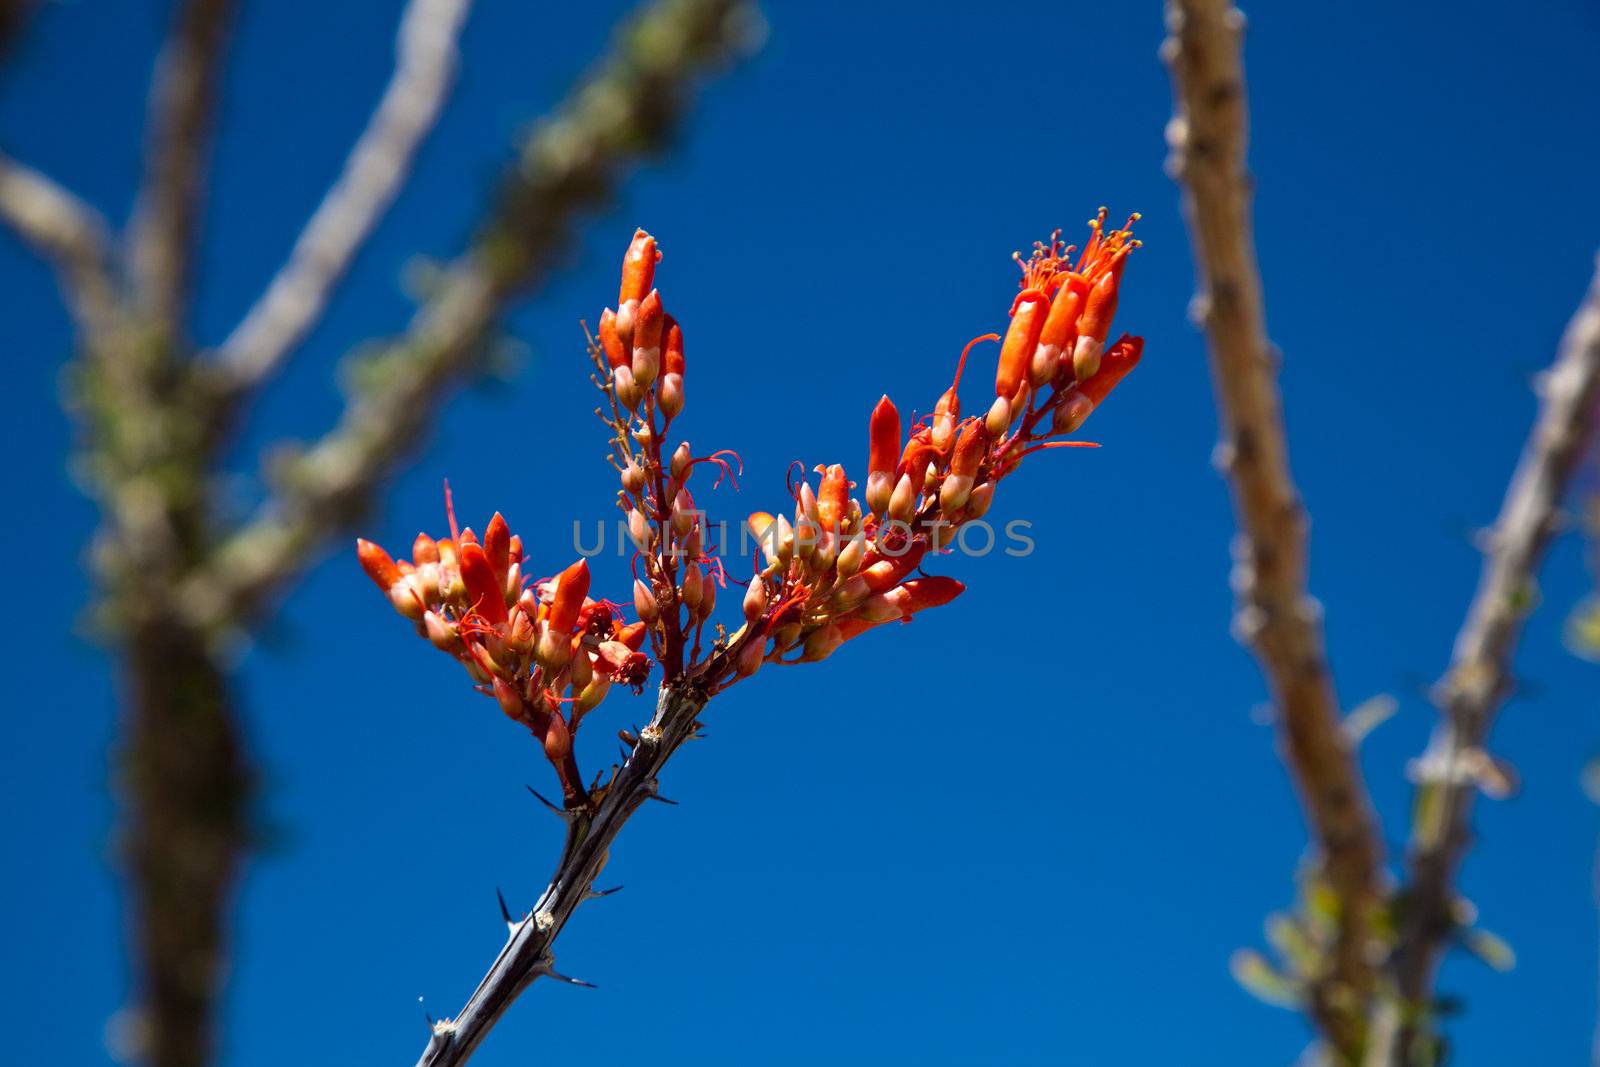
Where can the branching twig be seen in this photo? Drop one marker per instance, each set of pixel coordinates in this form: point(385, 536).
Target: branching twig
point(182, 102)
point(1276, 616)
point(377, 167)
point(67, 233)
point(571, 164)
point(590, 832)
point(1479, 678)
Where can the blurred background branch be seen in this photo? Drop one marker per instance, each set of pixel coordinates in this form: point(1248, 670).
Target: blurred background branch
point(177, 580)
point(1456, 764)
point(1276, 616)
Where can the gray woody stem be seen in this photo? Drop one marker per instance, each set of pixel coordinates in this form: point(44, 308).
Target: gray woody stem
point(1479, 678)
point(590, 832)
point(1276, 616)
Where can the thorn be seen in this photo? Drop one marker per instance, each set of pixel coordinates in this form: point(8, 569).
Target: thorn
point(505, 912)
point(547, 968)
point(548, 973)
point(662, 799)
point(565, 815)
point(594, 893)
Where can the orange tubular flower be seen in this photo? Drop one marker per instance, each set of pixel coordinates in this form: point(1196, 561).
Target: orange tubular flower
point(571, 589)
point(883, 453)
point(833, 499)
point(610, 343)
point(497, 545)
point(483, 584)
point(1122, 358)
point(1016, 352)
point(378, 564)
point(647, 332)
point(638, 268)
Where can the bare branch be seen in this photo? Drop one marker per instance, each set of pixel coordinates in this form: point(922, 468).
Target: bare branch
point(1479, 679)
point(572, 163)
point(69, 234)
point(527, 953)
point(377, 167)
point(182, 100)
point(1276, 616)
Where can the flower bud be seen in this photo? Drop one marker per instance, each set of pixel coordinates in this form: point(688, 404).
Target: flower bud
point(708, 598)
point(1070, 412)
point(485, 591)
point(554, 648)
point(557, 739)
point(821, 642)
point(497, 543)
point(750, 656)
point(683, 513)
point(877, 608)
point(691, 589)
point(378, 564)
point(647, 331)
point(510, 699)
point(785, 637)
point(590, 696)
point(1042, 368)
point(581, 672)
point(669, 395)
point(1122, 358)
point(851, 555)
point(639, 531)
point(979, 500)
point(571, 589)
point(833, 499)
point(1099, 309)
point(633, 477)
point(1016, 351)
point(1086, 357)
point(919, 594)
point(441, 632)
point(999, 418)
point(523, 633)
point(755, 599)
point(883, 453)
point(628, 392)
point(672, 358)
point(785, 539)
point(644, 601)
point(638, 267)
point(945, 414)
point(903, 500)
point(424, 550)
point(680, 460)
point(610, 343)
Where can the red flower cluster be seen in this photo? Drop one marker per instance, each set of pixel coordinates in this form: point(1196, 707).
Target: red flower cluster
point(837, 570)
point(549, 653)
point(534, 648)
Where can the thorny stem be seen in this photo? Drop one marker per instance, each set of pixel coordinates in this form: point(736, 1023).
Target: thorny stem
point(1276, 616)
point(528, 951)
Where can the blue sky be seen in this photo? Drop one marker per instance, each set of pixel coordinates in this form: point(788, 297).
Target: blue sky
point(1028, 829)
